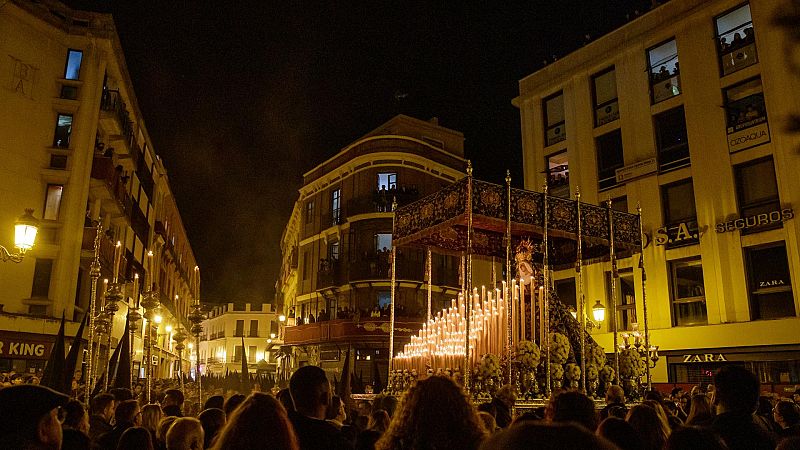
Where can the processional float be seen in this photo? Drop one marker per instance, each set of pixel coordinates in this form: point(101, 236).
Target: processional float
point(517, 331)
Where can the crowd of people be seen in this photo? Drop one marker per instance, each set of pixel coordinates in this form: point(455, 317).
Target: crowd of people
point(435, 413)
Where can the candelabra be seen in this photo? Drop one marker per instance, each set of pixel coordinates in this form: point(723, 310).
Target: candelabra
point(134, 317)
point(179, 337)
point(113, 297)
point(151, 304)
point(102, 328)
point(636, 341)
point(196, 317)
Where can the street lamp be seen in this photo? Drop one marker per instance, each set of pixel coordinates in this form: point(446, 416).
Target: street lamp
point(599, 312)
point(25, 229)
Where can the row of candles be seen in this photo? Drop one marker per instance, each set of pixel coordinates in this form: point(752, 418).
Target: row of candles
point(441, 343)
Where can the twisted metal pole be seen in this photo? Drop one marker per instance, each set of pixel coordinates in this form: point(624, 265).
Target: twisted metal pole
point(468, 279)
point(644, 298)
point(94, 275)
point(393, 255)
point(509, 303)
point(545, 302)
point(614, 278)
point(581, 299)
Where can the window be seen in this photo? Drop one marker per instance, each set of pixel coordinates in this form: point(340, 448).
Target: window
point(665, 80)
point(251, 354)
point(625, 300)
point(41, 278)
point(609, 158)
point(565, 289)
point(688, 293)
point(384, 299)
point(770, 283)
point(746, 115)
point(52, 201)
point(757, 193)
point(306, 265)
point(680, 216)
point(237, 353)
point(239, 307)
point(387, 180)
point(671, 139)
point(253, 328)
point(553, 107)
point(383, 242)
point(73, 69)
point(333, 251)
point(310, 211)
point(604, 90)
point(63, 131)
point(736, 40)
point(558, 174)
point(69, 92)
point(239, 328)
point(336, 201)
point(620, 203)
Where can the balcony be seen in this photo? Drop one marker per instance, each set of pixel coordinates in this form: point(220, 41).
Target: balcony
point(106, 248)
point(329, 273)
point(108, 185)
point(346, 330)
point(381, 200)
point(115, 120)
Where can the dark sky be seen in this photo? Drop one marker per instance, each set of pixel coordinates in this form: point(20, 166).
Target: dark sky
point(242, 97)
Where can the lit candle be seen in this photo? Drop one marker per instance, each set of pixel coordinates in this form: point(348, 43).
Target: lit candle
point(148, 267)
point(117, 258)
point(103, 292)
point(136, 290)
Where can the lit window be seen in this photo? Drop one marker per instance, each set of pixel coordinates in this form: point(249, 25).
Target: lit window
point(736, 40)
point(665, 81)
point(672, 140)
point(383, 242)
point(333, 251)
point(52, 201)
point(73, 68)
point(770, 283)
point(63, 131)
point(555, 131)
point(604, 90)
point(609, 158)
point(387, 181)
point(558, 174)
point(310, 211)
point(336, 202)
point(746, 115)
point(688, 293)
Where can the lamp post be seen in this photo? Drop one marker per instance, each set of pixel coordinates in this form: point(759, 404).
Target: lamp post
point(25, 229)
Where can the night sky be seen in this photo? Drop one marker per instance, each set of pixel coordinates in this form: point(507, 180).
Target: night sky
point(241, 98)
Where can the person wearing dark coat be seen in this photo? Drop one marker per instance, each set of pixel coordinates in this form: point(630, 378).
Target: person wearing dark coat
point(736, 391)
point(126, 415)
point(311, 392)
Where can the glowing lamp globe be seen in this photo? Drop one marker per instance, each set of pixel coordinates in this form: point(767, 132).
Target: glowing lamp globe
point(599, 312)
point(25, 229)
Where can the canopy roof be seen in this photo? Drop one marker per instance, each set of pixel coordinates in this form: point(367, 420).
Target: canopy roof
point(440, 220)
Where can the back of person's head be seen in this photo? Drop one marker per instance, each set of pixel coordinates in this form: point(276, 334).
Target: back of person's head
point(74, 414)
point(232, 403)
point(528, 416)
point(620, 433)
point(151, 417)
point(215, 401)
point(660, 411)
point(699, 409)
point(654, 395)
point(135, 438)
point(615, 394)
point(488, 421)
point(434, 413)
point(163, 427)
point(651, 427)
point(121, 394)
point(574, 407)
point(736, 389)
point(173, 397)
point(100, 402)
point(379, 420)
point(553, 436)
point(258, 417)
point(186, 433)
point(789, 411)
point(310, 389)
point(285, 397)
point(126, 411)
point(694, 438)
point(212, 420)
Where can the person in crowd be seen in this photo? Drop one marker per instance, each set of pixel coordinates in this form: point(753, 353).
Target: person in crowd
point(694, 438)
point(163, 428)
point(232, 403)
point(554, 436)
point(615, 398)
point(285, 397)
point(387, 403)
point(736, 392)
point(126, 415)
point(787, 416)
point(311, 394)
point(663, 415)
point(186, 433)
point(573, 407)
point(653, 429)
point(75, 427)
point(215, 401)
point(336, 414)
point(173, 403)
point(260, 422)
point(29, 417)
point(488, 421)
point(378, 424)
point(121, 394)
point(435, 413)
point(503, 400)
point(700, 412)
point(151, 417)
point(136, 438)
point(212, 420)
point(620, 433)
point(102, 409)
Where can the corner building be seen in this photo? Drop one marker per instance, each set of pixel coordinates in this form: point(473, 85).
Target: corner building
point(335, 282)
point(684, 110)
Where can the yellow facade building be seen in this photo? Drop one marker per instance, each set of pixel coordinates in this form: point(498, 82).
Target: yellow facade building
point(74, 148)
point(684, 111)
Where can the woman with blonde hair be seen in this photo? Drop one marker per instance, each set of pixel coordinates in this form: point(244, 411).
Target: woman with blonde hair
point(151, 417)
point(259, 422)
point(700, 411)
point(434, 414)
point(653, 429)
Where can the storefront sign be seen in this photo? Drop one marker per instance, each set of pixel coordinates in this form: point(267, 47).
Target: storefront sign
point(705, 357)
point(756, 221)
point(748, 137)
point(20, 349)
point(684, 233)
point(636, 170)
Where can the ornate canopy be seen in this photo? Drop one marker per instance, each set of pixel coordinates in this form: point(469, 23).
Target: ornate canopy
point(440, 220)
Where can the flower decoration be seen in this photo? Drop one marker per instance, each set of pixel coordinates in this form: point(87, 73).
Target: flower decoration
point(559, 348)
point(528, 355)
